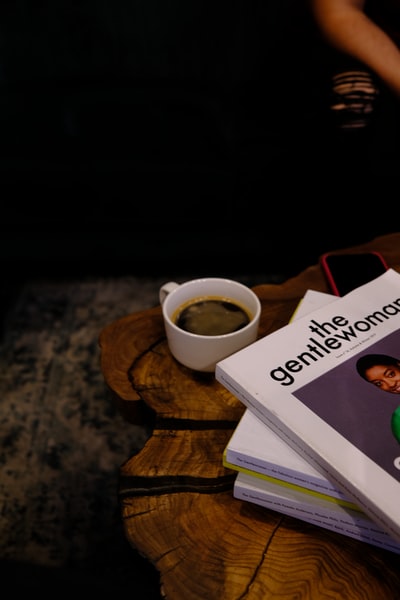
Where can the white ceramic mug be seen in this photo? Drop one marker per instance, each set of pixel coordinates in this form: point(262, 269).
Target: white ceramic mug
point(201, 352)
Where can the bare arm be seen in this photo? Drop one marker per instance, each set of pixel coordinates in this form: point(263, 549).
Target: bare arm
point(345, 25)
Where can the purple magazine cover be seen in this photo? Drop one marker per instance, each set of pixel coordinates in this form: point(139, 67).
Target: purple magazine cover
point(357, 409)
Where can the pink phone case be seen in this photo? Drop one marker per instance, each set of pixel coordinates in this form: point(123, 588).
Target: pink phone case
point(352, 270)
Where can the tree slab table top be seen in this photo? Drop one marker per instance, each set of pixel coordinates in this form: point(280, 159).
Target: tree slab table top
point(176, 496)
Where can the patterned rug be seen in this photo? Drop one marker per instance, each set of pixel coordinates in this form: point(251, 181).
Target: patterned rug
point(63, 440)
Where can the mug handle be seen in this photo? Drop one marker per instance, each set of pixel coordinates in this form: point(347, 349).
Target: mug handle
point(166, 289)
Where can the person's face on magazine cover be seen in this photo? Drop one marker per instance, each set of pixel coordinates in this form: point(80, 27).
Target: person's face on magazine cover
point(385, 377)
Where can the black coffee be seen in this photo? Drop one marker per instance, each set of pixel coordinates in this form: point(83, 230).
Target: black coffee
point(211, 317)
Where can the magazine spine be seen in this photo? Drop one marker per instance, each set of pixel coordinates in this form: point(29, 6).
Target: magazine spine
point(351, 523)
point(305, 489)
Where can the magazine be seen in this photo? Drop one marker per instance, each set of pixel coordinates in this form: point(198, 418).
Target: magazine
point(254, 448)
point(307, 382)
point(311, 509)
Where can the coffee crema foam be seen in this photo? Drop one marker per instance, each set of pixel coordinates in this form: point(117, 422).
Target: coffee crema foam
point(211, 316)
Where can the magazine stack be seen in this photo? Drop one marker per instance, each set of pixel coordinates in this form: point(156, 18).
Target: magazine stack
point(320, 437)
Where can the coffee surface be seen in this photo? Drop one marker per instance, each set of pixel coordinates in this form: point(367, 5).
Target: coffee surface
point(212, 317)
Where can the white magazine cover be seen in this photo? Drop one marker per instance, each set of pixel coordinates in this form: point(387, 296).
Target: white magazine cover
point(304, 381)
point(256, 449)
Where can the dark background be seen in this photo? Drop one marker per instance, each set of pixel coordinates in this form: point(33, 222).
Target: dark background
point(159, 136)
point(163, 137)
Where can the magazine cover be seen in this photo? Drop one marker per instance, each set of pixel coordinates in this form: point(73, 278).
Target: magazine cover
point(328, 383)
point(254, 448)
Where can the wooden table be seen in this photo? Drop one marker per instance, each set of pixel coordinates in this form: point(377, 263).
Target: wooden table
point(176, 497)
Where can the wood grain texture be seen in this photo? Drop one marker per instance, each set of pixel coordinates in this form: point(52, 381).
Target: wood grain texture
point(176, 497)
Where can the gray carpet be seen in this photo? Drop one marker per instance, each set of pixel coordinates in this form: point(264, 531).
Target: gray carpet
point(63, 440)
